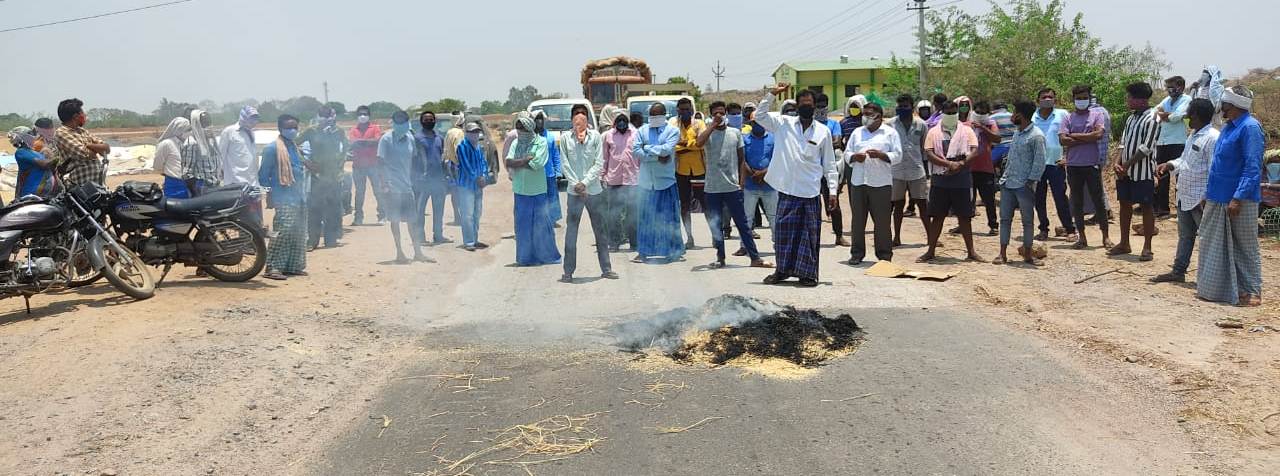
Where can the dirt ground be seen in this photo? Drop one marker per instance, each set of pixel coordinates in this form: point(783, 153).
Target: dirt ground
point(216, 378)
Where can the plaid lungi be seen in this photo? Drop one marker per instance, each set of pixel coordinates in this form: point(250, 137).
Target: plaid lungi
point(287, 252)
point(797, 236)
point(1230, 261)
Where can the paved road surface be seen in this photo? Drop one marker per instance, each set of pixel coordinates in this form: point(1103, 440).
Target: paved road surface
point(950, 393)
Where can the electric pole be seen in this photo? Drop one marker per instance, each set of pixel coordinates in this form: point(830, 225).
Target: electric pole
point(924, 56)
point(719, 74)
point(326, 92)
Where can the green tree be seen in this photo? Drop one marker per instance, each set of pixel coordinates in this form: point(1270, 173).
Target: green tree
point(519, 99)
point(951, 34)
point(167, 110)
point(302, 107)
point(338, 107)
point(382, 109)
point(493, 107)
point(12, 120)
point(696, 93)
point(443, 106)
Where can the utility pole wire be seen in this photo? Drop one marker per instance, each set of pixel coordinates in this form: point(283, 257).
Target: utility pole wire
point(718, 72)
point(100, 15)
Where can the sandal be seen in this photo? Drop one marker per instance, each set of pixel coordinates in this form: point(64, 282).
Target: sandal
point(761, 264)
point(276, 275)
point(638, 260)
point(775, 278)
point(974, 259)
point(716, 265)
point(926, 258)
point(1000, 260)
point(1079, 245)
point(1037, 262)
point(1116, 251)
point(1146, 256)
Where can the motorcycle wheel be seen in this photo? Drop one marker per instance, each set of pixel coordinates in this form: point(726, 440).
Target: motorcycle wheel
point(127, 273)
point(245, 237)
point(83, 273)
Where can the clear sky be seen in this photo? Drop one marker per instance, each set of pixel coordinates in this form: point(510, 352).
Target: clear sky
point(409, 51)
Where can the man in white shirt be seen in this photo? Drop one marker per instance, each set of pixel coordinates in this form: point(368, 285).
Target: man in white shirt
point(802, 157)
point(872, 152)
point(240, 154)
point(1192, 169)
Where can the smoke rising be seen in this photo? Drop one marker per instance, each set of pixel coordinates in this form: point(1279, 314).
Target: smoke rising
point(664, 330)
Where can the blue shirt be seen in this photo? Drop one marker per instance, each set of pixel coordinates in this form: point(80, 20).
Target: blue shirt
point(1236, 171)
point(31, 177)
point(834, 125)
point(429, 170)
point(269, 176)
point(759, 152)
point(553, 160)
point(1174, 132)
point(1050, 126)
point(649, 145)
point(471, 165)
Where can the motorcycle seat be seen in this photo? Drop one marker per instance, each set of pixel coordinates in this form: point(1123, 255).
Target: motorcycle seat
point(208, 202)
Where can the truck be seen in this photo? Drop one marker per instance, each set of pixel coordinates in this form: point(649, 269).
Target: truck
point(620, 80)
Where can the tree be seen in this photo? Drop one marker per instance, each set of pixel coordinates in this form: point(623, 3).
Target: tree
point(171, 109)
point(110, 117)
point(302, 107)
point(900, 78)
point(493, 107)
point(519, 99)
point(382, 109)
point(339, 108)
point(443, 106)
point(1018, 48)
point(696, 93)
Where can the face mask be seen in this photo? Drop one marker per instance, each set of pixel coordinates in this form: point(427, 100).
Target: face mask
point(1046, 104)
point(657, 121)
point(734, 120)
point(290, 134)
point(821, 114)
point(428, 126)
point(980, 118)
point(1174, 92)
point(870, 119)
point(855, 111)
point(926, 113)
point(903, 113)
point(1082, 104)
point(473, 137)
point(806, 111)
point(790, 112)
point(1273, 172)
point(328, 122)
point(964, 109)
point(622, 126)
point(400, 128)
point(756, 130)
point(1205, 79)
point(950, 121)
point(363, 119)
point(686, 116)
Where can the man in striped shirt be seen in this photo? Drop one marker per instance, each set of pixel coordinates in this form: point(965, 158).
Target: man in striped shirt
point(1135, 173)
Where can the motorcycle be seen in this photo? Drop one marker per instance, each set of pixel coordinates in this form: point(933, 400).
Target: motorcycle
point(212, 232)
point(58, 243)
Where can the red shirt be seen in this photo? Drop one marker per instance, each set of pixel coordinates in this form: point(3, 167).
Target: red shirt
point(982, 158)
point(365, 156)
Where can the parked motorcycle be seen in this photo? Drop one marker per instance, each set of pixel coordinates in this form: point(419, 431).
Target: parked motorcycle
point(57, 243)
point(212, 232)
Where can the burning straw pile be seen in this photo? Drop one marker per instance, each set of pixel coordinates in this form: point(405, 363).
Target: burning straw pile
point(744, 332)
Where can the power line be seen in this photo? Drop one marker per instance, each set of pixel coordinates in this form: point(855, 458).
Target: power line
point(91, 17)
point(807, 33)
point(872, 21)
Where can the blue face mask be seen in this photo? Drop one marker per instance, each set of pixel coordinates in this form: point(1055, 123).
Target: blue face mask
point(290, 134)
point(400, 128)
point(734, 120)
point(904, 113)
point(686, 115)
point(1273, 172)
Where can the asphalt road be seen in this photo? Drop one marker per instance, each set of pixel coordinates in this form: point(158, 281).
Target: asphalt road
point(949, 394)
point(942, 392)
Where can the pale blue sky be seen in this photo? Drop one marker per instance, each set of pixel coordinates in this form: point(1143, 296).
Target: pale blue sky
point(408, 51)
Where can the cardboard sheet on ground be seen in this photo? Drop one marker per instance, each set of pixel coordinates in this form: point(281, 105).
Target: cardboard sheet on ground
point(886, 269)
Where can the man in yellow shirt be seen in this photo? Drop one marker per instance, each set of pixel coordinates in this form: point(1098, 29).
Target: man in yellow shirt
point(690, 162)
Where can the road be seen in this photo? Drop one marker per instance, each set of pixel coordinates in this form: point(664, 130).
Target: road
point(296, 377)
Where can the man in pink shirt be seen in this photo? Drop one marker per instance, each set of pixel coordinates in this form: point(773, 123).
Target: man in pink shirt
point(950, 147)
point(621, 174)
point(364, 167)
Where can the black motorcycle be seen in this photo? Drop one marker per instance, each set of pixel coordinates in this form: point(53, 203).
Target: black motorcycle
point(58, 243)
point(212, 232)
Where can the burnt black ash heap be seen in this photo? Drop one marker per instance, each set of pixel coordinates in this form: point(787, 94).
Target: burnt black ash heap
point(731, 328)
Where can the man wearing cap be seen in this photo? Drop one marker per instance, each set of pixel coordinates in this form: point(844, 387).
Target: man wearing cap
point(1230, 263)
point(239, 154)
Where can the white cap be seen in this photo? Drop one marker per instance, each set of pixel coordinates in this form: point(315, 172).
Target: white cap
point(924, 103)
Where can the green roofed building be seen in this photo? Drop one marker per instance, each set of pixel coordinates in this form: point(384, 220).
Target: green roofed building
point(839, 80)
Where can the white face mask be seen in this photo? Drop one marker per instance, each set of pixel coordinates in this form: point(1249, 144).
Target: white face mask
point(1082, 104)
point(364, 119)
point(657, 121)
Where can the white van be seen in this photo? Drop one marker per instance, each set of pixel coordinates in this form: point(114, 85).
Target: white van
point(558, 111)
